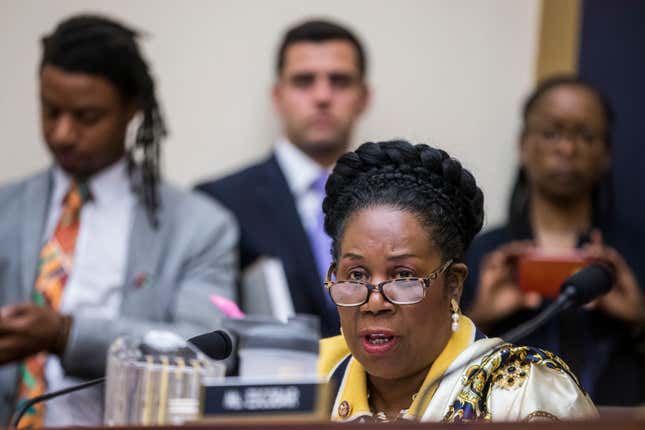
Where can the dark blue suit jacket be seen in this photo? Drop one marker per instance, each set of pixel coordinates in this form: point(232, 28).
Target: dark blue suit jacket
point(260, 198)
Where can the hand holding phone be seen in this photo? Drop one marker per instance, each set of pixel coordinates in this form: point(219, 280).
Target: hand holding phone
point(498, 294)
point(626, 301)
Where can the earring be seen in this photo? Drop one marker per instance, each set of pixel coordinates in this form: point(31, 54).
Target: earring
point(455, 315)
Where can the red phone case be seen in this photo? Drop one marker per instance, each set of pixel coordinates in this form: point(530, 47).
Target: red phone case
point(545, 273)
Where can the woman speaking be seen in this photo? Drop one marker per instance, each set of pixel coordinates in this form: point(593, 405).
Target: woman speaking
point(401, 217)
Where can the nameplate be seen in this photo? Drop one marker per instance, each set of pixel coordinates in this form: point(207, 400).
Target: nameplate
point(239, 398)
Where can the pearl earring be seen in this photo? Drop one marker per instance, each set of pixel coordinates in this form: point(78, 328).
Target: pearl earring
point(455, 315)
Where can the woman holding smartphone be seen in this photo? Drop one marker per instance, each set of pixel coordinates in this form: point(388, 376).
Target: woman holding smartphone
point(561, 206)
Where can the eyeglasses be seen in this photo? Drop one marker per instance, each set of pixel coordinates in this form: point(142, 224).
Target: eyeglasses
point(553, 135)
point(400, 291)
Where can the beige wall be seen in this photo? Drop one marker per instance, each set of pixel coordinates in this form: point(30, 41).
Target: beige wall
point(451, 73)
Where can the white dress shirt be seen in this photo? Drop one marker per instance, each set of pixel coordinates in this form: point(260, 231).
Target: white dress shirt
point(94, 287)
point(300, 172)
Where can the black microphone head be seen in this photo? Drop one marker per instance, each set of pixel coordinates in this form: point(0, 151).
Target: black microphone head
point(588, 283)
point(217, 344)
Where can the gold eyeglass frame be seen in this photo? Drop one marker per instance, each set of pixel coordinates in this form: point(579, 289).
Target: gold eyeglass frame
point(427, 281)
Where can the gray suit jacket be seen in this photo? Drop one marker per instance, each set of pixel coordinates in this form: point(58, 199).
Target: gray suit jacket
point(189, 257)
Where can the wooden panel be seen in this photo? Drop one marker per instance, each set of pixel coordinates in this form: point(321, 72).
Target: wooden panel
point(559, 37)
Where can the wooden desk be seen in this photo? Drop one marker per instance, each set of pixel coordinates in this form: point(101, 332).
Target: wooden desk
point(601, 424)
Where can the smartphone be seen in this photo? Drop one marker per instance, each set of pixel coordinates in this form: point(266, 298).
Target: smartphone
point(544, 273)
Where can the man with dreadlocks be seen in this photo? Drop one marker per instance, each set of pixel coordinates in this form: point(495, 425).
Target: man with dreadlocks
point(98, 246)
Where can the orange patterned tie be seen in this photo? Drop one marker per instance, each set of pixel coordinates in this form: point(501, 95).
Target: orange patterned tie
point(54, 267)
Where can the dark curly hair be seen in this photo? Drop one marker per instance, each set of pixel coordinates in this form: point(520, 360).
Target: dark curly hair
point(422, 180)
point(100, 46)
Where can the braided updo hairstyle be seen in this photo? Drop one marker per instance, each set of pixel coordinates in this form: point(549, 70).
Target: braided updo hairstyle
point(419, 179)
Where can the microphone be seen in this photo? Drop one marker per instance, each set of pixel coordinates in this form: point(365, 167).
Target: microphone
point(582, 287)
point(216, 345)
point(589, 283)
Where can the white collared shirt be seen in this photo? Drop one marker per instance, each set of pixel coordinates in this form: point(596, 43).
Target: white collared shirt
point(94, 287)
point(300, 172)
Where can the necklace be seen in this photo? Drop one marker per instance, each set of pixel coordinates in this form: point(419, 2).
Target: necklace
point(382, 417)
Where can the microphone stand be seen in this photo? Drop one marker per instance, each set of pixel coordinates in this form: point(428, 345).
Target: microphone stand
point(34, 400)
point(210, 343)
point(564, 301)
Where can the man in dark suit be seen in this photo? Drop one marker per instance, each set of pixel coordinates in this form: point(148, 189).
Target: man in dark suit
point(319, 94)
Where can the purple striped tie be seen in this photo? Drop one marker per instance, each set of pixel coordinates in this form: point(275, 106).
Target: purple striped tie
point(319, 240)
